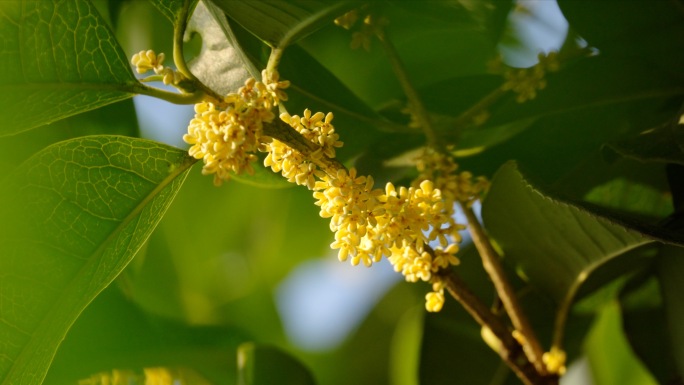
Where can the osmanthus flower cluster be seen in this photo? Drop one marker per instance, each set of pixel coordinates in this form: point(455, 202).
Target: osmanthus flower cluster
point(398, 223)
point(227, 138)
point(525, 82)
point(145, 61)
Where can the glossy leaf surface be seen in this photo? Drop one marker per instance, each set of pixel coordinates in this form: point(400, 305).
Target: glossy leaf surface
point(58, 59)
point(74, 215)
point(555, 245)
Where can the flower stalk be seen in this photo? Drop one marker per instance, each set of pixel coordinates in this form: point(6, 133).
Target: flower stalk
point(491, 263)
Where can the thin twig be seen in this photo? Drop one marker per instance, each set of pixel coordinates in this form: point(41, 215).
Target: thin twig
point(285, 133)
point(492, 264)
point(171, 97)
point(510, 350)
point(179, 27)
point(411, 94)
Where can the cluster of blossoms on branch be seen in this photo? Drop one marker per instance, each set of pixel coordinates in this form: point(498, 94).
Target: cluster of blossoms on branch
point(149, 61)
point(526, 82)
point(399, 223)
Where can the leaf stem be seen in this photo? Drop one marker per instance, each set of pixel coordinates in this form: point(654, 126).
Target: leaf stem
point(171, 97)
point(179, 27)
point(274, 59)
point(411, 94)
point(492, 264)
point(468, 115)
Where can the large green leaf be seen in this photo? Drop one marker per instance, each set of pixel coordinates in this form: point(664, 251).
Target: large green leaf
point(671, 271)
point(662, 144)
point(611, 359)
point(265, 365)
point(74, 215)
point(58, 58)
point(556, 245)
point(645, 326)
point(220, 64)
point(280, 23)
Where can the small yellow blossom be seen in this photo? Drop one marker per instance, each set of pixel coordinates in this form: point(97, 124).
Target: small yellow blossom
point(160, 376)
point(147, 60)
point(434, 301)
point(347, 20)
point(275, 86)
point(555, 361)
point(525, 82)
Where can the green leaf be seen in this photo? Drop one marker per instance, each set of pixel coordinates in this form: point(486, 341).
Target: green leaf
point(59, 59)
point(671, 271)
point(280, 23)
point(74, 215)
point(610, 356)
point(436, 41)
point(266, 365)
point(477, 139)
point(171, 8)
point(662, 144)
point(219, 64)
point(114, 119)
point(405, 350)
point(653, 30)
point(646, 328)
point(450, 328)
point(555, 245)
point(123, 327)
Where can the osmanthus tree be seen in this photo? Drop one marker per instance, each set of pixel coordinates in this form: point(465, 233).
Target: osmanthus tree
point(398, 117)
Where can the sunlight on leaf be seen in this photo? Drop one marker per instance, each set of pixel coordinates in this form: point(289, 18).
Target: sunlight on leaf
point(219, 64)
point(74, 215)
point(556, 245)
point(610, 356)
point(59, 59)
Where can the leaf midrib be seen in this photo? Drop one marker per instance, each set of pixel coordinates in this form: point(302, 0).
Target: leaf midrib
point(49, 316)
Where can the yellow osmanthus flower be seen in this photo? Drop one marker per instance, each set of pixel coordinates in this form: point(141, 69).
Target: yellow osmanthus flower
point(227, 139)
point(525, 82)
point(348, 20)
point(294, 166)
point(456, 187)
point(555, 361)
point(160, 376)
point(148, 61)
point(434, 301)
point(362, 37)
